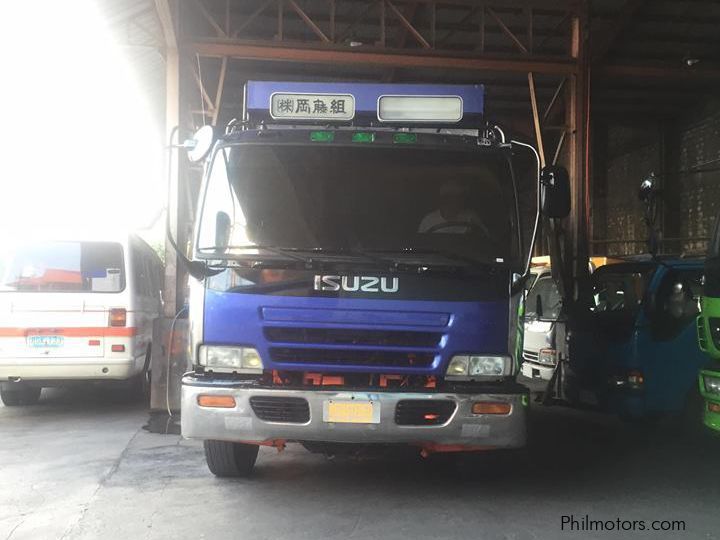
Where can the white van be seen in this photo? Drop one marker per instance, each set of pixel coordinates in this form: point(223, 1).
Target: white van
point(545, 332)
point(76, 308)
point(544, 338)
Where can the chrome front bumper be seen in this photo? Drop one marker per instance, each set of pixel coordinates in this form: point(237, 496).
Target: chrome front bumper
point(240, 424)
point(533, 370)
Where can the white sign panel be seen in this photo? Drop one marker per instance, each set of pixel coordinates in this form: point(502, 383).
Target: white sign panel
point(312, 106)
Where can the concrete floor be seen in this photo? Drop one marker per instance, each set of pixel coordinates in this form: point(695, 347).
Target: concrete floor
point(79, 465)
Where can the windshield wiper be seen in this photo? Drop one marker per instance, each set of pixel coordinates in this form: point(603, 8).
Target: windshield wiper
point(450, 255)
point(287, 253)
point(316, 254)
point(353, 253)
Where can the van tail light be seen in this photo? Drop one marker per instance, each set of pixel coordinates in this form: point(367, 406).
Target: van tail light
point(118, 317)
point(117, 348)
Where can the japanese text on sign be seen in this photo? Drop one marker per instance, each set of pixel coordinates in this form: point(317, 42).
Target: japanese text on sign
point(312, 106)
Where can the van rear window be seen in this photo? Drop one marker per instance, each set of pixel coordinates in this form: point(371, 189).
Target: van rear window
point(63, 267)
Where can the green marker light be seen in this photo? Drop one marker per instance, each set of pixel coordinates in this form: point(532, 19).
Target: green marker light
point(363, 137)
point(322, 136)
point(405, 138)
point(524, 400)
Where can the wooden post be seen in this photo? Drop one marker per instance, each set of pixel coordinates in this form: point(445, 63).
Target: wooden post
point(576, 245)
point(536, 119)
point(219, 93)
point(166, 11)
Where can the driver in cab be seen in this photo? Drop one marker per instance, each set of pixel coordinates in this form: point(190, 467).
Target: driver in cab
point(453, 215)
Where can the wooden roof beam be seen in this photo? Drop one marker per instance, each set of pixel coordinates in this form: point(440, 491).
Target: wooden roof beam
point(376, 57)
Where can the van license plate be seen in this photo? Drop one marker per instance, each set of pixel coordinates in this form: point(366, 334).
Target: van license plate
point(44, 342)
point(351, 411)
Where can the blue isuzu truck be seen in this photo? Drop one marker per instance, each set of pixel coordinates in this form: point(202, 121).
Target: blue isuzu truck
point(359, 272)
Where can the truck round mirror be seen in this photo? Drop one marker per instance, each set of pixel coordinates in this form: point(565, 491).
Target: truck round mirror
point(200, 144)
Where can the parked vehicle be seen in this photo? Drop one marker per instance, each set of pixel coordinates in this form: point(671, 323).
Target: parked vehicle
point(361, 275)
point(76, 307)
point(709, 334)
point(544, 331)
point(642, 361)
point(545, 324)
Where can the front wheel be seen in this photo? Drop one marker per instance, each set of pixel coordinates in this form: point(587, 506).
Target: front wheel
point(230, 460)
point(18, 395)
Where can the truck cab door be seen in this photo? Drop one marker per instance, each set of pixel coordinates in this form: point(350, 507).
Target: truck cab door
point(669, 353)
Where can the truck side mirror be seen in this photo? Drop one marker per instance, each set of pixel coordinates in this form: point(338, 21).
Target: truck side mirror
point(539, 306)
point(199, 146)
point(555, 192)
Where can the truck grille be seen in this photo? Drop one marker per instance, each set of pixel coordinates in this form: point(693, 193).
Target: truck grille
point(342, 336)
point(702, 337)
point(530, 355)
point(423, 412)
point(354, 357)
point(291, 410)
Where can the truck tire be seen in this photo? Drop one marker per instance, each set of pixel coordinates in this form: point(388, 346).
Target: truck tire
point(230, 460)
point(18, 395)
point(139, 385)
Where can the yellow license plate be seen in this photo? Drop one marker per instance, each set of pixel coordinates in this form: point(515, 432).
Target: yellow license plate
point(351, 412)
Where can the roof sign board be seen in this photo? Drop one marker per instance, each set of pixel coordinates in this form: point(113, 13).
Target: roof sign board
point(300, 106)
point(437, 105)
point(420, 109)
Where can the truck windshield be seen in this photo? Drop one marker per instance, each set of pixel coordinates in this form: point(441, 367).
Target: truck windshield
point(53, 266)
point(359, 199)
point(620, 291)
point(546, 290)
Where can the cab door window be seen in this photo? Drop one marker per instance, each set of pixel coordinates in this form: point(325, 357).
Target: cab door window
point(676, 303)
point(544, 297)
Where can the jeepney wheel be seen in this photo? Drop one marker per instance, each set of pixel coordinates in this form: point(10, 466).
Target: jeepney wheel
point(230, 460)
point(18, 395)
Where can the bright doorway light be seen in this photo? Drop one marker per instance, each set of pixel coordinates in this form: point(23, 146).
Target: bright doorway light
point(78, 144)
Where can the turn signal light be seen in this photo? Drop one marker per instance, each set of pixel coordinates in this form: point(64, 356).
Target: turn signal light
point(221, 402)
point(635, 379)
point(118, 317)
point(713, 407)
point(491, 407)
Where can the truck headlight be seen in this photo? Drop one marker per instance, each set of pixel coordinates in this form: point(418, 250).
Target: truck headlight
point(467, 367)
point(712, 384)
point(237, 359)
point(547, 356)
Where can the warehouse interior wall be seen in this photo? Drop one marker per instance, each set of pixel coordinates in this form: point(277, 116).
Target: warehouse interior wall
point(685, 155)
